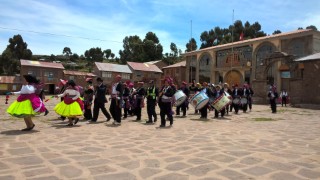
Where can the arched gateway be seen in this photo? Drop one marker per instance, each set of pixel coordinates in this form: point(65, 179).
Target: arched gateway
point(205, 66)
point(233, 77)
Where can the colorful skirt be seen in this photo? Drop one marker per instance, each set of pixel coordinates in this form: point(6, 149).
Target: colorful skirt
point(68, 110)
point(21, 109)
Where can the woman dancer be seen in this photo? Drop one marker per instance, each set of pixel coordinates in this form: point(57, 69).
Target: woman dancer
point(71, 106)
point(28, 104)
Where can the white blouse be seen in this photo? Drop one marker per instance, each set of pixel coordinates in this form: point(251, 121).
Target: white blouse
point(70, 92)
point(26, 89)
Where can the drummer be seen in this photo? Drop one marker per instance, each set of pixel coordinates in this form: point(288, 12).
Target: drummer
point(219, 92)
point(183, 106)
point(236, 98)
point(227, 92)
point(208, 92)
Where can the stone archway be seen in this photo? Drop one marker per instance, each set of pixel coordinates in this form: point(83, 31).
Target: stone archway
point(233, 77)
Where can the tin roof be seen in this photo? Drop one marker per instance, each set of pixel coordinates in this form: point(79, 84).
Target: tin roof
point(144, 67)
point(10, 80)
point(153, 62)
point(249, 41)
point(78, 73)
point(41, 64)
point(179, 64)
point(315, 56)
point(113, 67)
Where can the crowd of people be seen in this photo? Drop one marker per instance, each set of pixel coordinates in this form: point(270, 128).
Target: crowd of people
point(77, 102)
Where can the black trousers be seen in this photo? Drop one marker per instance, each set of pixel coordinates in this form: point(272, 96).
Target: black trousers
point(138, 109)
point(125, 109)
point(223, 112)
point(236, 107)
point(183, 107)
point(165, 109)
point(250, 102)
point(204, 111)
point(87, 113)
point(96, 107)
point(151, 109)
point(115, 109)
point(273, 104)
point(284, 101)
point(245, 107)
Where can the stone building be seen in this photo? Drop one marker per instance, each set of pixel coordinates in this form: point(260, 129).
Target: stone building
point(78, 76)
point(260, 61)
point(176, 71)
point(10, 84)
point(145, 72)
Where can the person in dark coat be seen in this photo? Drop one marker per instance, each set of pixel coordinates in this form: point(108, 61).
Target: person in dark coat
point(126, 102)
point(87, 99)
point(99, 101)
point(227, 90)
point(273, 96)
point(139, 100)
point(208, 92)
point(236, 95)
point(183, 106)
point(152, 95)
point(219, 92)
point(116, 100)
point(165, 102)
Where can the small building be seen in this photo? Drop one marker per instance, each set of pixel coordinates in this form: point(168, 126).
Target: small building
point(159, 63)
point(10, 84)
point(47, 72)
point(145, 72)
point(176, 71)
point(108, 72)
point(78, 76)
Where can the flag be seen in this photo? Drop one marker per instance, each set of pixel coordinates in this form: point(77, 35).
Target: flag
point(241, 36)
point(215, 42)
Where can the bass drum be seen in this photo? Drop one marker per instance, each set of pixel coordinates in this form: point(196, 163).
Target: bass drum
point(199, 100)
point(179, 98)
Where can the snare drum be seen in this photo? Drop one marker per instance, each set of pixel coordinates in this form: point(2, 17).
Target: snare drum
point(244, 101)
point(199, 100)
point(236, 101)
point(179, 98)
point(221, 102)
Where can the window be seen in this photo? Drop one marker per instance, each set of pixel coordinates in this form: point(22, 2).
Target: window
point(48, 74)
point(31, 73)
point(71, 77)
point(138, 74)
point(106, 74)
point(125, 76)
point(14, 87)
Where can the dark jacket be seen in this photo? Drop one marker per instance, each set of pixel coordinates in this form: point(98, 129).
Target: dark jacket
point(100, 94)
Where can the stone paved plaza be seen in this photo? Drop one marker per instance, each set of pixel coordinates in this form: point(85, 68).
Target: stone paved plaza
point(254, 145)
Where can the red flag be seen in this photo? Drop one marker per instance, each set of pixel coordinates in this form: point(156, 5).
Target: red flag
point(241, 36)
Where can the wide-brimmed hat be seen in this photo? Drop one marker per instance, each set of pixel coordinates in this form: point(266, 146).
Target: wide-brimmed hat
point(31, 78)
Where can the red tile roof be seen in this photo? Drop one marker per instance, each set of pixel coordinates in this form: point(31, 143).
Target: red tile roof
point(41, 64)
point(240, 43)
point(10, 80)
point(144, 67)
point(78, 73)
point(179, 64)
point(113, 67)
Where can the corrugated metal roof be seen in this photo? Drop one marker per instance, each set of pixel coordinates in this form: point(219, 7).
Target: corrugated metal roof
point(113, 67)
point(78, 73)
point(315, 56)
point(244, 42)
point(153, 62)
point(41, 64)
point(10, 80)
point(179, 64)
point(144, 67)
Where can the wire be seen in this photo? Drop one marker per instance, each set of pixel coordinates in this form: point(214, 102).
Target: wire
point(53, 34)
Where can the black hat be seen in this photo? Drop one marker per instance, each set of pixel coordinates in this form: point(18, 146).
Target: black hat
point(71, 83)
point(99, 79)
point(31, 78)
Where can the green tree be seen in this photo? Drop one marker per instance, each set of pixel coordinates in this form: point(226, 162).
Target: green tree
point(107, 53)
point(16, 50)
point(132, 50)
point(312, 27)
point(52, 57)
point(152, 47)
point(191, 45)
point(112, 55)
point(276, 32)
point(66, 51)
point(93, 55)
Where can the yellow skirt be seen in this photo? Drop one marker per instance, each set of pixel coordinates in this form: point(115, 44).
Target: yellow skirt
point(21, 109)
point(68, 110)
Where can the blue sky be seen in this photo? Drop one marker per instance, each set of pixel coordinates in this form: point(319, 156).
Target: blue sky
point(83, 24)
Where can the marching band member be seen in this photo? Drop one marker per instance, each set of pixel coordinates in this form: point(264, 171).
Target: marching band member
point(139, 100)
point(152, 94)
point(28, 104)
point(183, 106)
point(165, 100)
point(284, 96)
point(131, 99)
point(116, 100)
point(125, 97)
point(236, 95)
point(247, 93)
point(87, 99)
point(219, 92)
point(227, 90)
point(71, 106)
point(273, 96)
point(204, 109)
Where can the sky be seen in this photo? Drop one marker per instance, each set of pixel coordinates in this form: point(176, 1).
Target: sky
point(47, 26)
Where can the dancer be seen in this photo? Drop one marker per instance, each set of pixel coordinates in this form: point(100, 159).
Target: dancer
point(87, 99)
point(71, 106)
point(116, 100)
point(28, 104)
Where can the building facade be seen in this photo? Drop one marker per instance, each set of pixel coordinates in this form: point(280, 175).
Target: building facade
point(176, 71)
point(78, 76)
point(259, 62)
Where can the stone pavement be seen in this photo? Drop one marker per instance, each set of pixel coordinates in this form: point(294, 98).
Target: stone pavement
point(255, 145)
